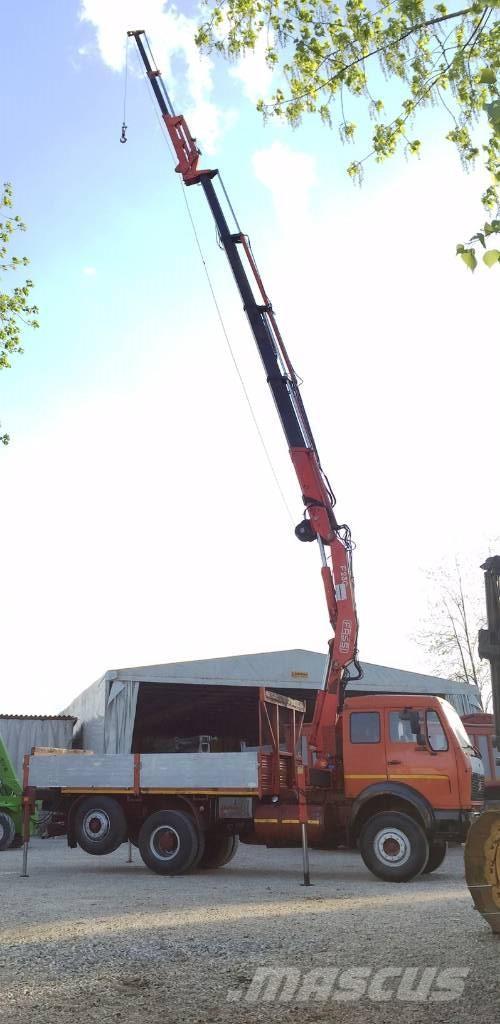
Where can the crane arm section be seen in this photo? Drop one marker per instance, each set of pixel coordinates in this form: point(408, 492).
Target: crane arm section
point(319, 522)
point(489, 638)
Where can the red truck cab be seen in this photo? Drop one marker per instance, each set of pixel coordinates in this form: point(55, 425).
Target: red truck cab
point(480, 727)
point(406, 757)
point(418, 741)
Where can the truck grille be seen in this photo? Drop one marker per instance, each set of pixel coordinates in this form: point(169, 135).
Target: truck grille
point(477, 786)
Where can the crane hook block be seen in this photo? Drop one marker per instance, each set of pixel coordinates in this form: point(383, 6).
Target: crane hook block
point(123, 137)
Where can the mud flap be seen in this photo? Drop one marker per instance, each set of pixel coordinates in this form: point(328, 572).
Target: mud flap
point(482, 866)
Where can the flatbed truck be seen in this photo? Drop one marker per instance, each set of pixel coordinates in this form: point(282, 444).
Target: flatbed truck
point(396, 776)
point(409, 783)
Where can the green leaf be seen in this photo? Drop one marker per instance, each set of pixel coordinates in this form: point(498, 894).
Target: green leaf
point(469, 258)
point(487, 76)
point(327, 53)
point(491, 257)
point(493, 112)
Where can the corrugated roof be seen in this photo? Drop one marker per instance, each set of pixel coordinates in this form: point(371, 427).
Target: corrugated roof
point(41, 718)
point(290, 670)
point(286, 668)
point(384, 675)
point(295, 669)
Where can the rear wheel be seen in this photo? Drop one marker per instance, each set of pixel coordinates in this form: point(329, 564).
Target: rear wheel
point(394, 846)
point(219, 849)
point(437, 853)
point(170, 842)
point(7, 830)
point(100, 825)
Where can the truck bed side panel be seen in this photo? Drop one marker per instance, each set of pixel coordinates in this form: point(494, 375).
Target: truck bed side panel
point(200, 771)
point(82, 771)
point(187, 772)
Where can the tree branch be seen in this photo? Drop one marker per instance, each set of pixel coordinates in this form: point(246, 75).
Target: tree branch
point(457, 640)
point(466, 630)
point(372, 53)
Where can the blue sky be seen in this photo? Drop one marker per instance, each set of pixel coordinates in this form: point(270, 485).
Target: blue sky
point(141, 519)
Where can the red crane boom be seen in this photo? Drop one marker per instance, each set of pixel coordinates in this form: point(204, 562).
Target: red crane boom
point(319, 522)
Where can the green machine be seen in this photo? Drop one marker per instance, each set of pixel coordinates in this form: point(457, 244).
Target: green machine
point(11, 802)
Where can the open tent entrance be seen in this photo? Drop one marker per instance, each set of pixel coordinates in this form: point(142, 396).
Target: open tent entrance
point(174, 717)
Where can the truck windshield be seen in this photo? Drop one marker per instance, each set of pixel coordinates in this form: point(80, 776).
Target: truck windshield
point(457, 726)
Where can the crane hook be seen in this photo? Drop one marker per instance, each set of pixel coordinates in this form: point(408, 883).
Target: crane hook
point(123, 137)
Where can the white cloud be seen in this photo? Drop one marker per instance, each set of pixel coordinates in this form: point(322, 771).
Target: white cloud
point(391, 335)
point(253, 73)
point(109, 508)
point(89, 271)
point(171, 34)
point(290, 175)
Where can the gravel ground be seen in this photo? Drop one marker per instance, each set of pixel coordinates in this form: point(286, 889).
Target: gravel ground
point(96, 939)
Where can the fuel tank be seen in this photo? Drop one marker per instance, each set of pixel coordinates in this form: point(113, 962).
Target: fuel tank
point(279, 825)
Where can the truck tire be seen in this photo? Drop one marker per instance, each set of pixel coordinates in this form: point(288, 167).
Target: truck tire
point(394, 847)
point(437, 853)
point(170, 842)
point(7, 830)
point(219, 850)
point(99, 824)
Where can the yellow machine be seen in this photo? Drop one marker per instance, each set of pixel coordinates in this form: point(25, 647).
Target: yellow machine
point(482, 850)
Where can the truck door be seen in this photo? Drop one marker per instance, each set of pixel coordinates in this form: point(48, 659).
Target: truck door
point(419, 755)
point(364, 750)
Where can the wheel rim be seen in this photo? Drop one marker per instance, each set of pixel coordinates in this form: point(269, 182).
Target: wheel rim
point(96, 826)
point(2, 831)
point(392, 847)
point(164, 842)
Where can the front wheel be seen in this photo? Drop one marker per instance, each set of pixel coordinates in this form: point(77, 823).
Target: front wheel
point(394, 846)
point(437, 853)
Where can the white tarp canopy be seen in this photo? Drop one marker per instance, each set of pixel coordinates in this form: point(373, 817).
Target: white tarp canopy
point(105, 715)
point(106, 709)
